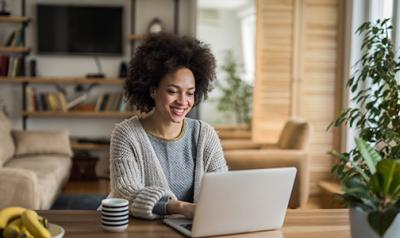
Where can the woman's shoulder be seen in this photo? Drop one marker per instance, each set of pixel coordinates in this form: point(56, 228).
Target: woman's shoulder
point(128, 125)
point(205, 128)
point(198, 123)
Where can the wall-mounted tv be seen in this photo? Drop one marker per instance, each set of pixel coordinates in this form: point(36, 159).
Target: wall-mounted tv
point(79, 30)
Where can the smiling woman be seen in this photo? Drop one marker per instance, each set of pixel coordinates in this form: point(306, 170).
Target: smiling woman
point(157, 161)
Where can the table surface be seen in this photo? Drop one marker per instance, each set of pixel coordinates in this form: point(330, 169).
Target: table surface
point(310, 223)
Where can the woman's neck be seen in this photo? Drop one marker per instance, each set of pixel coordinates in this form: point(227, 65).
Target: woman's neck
point(155, 125)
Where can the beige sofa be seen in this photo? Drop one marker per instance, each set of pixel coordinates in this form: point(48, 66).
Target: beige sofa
point(290, 151)
point(34, 165)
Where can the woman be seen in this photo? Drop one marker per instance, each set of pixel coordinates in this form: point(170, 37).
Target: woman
point(157, 161)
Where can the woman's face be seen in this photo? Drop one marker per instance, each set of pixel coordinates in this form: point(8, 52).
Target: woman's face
point(174, 96)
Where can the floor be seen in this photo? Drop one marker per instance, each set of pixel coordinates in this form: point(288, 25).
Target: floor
point(101, 186)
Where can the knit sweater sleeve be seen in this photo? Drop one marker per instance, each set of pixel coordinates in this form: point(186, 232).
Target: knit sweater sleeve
point(213, 153)
point(127, 178)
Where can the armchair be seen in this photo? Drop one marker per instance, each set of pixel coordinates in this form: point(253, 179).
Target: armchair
point(291, 150)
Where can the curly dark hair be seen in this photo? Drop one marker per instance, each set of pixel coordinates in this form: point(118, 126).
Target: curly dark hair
point(162, 54)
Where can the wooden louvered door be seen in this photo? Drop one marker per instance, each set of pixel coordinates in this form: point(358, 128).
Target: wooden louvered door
point(320, 66)
point(297, 73)
point(274, 52)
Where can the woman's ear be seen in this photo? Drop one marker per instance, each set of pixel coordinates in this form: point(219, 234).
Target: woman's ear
point(152, 92)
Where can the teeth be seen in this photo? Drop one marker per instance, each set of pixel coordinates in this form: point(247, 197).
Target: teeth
point(176, 110)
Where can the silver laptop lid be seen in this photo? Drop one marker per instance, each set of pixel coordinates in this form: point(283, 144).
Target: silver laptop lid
point(242, 201)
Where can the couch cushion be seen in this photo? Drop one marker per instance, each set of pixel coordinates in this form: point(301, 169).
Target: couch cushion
point(7, 148)
point(52, 172)
point(42, 142)
point(18, 187)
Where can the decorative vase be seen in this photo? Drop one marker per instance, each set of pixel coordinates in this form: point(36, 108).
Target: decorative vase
point(360, 227)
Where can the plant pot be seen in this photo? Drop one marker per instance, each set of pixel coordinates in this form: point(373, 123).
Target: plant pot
point(361, 229)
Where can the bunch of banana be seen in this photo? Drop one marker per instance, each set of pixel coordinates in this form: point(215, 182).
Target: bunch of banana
point(18, 222)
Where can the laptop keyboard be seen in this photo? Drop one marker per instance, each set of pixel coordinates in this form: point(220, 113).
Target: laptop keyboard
point(187, 226)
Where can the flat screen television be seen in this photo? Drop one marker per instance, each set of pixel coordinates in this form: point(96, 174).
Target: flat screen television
point(79, 30)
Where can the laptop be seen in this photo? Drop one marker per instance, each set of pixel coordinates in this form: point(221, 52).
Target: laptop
point(238, 202)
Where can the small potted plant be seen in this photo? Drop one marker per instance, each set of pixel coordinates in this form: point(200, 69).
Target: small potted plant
point(236, 93)
point(372, 189)
point(370, 173)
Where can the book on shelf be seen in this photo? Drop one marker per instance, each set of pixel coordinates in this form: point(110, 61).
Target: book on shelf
point(10, 39)
point(13, 65)
point(56, 101)
point(113, 102)
point(44, 101)
point(99, 101)
point(29, 93)
point(104, 101)
point(62, 101)
point(53, 102)
point(4, 61)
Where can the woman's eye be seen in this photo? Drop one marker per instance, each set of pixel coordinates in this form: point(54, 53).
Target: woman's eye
point(190, 94)
point(171, 92)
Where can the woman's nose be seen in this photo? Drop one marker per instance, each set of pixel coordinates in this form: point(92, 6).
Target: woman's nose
point(182, 98)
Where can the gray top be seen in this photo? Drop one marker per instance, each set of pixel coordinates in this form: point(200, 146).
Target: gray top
point(136, 173)
point(177, 157)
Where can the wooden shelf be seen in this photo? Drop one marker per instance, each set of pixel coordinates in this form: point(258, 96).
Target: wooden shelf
point(15, 50)
point(14, 19)
point(79, 114)
point(62, 80)
point(89, 146)
point(136, 37)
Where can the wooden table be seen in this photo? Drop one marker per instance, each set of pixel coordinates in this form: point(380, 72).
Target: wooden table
point(300, 223)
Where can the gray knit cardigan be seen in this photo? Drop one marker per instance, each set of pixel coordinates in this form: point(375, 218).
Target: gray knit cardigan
point(136, 173)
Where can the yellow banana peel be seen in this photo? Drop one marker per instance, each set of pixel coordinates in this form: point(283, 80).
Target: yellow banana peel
point(30, 219)
point(9, 213)
point(13, 229)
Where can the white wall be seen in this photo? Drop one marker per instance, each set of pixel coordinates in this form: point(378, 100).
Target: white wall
point(79, 66)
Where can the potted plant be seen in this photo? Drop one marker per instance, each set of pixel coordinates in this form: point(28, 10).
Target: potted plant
point(370, 173)
point(236, 93)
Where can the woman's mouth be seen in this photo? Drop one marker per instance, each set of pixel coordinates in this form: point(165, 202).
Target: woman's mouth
point(178, 111)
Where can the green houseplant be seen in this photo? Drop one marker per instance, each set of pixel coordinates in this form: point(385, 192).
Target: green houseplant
point(369, 173)
point(236, 93)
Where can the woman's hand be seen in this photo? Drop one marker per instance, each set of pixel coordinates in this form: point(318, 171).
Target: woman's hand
point(182, 208)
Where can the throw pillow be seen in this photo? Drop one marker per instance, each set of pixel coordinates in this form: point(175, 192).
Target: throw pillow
point(42, 142)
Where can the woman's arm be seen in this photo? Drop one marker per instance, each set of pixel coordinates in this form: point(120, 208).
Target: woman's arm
point(126, 176)
point(214, 159)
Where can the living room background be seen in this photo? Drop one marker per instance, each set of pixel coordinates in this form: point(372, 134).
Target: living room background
point(143, 11)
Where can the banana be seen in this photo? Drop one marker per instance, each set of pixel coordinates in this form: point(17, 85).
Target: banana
point(44, 221)
point(30, 219)
point(9, 213)
point(13, 230)
point(25, 233)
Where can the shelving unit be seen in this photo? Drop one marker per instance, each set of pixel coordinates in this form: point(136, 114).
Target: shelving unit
point(79, 114)
point(14, 19)
point(18, 49)
point(71, 81)
point(25, 81)
point(62, 80)
point(136, 37)
point(89, 146)
point(15, 50)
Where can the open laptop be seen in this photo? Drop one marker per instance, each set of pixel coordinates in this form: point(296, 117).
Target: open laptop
point(239, 201)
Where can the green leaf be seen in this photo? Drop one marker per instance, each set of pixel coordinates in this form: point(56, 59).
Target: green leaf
point(370, 156)
point(380, 221)
point(389, 172)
